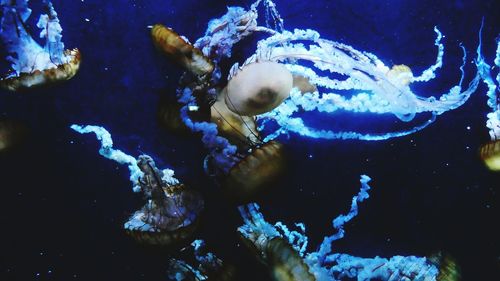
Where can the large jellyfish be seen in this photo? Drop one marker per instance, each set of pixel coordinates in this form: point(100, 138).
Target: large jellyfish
point(374, 87)
point(171, 213)
point(244, 163)
point(34, 65)
point(490, 152)
point(284, 252)
point(290, 75)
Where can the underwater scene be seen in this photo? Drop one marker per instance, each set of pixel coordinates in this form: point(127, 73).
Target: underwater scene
point(250, 140)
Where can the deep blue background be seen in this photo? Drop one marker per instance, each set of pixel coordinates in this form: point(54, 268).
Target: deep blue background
point(62, 205)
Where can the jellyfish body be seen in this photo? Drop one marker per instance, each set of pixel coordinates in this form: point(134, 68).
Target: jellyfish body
point(33, 65)
point(170, 215)
point(449, 270)
point(180, 50)
point(244, 165)
point(373, 87)
point(256, 173)
point(258, 88)
point(490, 154)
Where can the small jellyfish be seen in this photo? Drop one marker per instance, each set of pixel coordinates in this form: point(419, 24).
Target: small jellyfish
point(34, 65)
point(180, 50)
point(170, 215)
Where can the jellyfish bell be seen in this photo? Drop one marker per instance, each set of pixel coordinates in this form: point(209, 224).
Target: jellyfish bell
point(490, 154)
point(258, 88)
point(34, 65)
point(239, 130)
point(256, 173)
point(171, 215)
point(55, 74)
point(180, 50)
point(400, 74)
point(153, 225)
point(449, 270)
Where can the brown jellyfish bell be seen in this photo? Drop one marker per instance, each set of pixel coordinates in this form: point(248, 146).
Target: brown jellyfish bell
point(490, 154)
point(261, 164)
point(257, 88)
point(400, 74)
point(171, 214)
point(275, 252)
point(36, 78)
point(180, 50)
point(449, 270)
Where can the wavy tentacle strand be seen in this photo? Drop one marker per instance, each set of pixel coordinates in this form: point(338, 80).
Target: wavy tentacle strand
point(224, 32)
point(338, 223)
point(32, 64)
point(490, 152)
point(121, 157)
point(493, 93)
point(275, 242)
point(109, 152)
point(222, 151)
point(376, 88)
point(395, 268)
point(430, 73)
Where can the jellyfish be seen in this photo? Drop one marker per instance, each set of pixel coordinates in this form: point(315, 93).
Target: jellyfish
point(31, 64)
point(179, 49)
point(284, 251)
point(170, 215)
point(490, 152)
point(245, 165)
point(375, 88)
point(210, 267)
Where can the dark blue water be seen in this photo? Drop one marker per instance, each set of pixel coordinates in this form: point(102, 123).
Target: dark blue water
point(62, 205)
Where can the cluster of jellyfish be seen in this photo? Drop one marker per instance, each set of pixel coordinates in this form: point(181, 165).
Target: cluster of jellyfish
point(241, 119)
point(31, 65)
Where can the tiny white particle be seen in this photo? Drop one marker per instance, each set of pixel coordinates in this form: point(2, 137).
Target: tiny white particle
point(87, 20)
